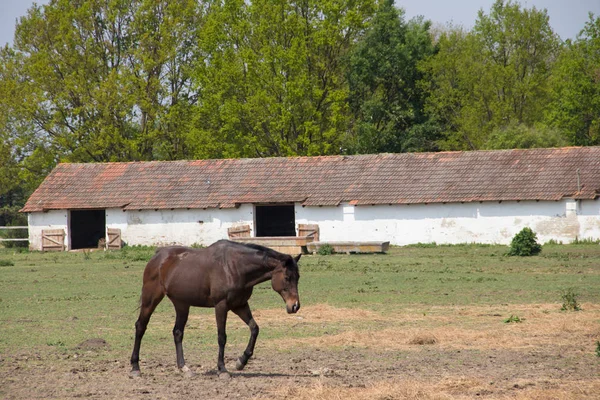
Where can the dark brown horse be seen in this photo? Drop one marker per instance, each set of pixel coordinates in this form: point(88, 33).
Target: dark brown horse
point(220, 276)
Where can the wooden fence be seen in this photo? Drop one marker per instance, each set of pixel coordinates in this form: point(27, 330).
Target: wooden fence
point(13, 239)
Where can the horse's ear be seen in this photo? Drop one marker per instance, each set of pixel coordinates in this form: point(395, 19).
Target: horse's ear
point(297, 258)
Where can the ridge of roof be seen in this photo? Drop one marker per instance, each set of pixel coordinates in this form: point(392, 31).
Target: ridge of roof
point(334, 156)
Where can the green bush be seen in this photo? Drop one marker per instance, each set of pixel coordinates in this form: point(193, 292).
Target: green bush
point(525, 244)
point(570, 302)
point(513, 318)
point(325, 250)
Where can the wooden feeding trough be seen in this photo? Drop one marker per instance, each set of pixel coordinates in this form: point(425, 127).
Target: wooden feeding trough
point(351, 247)
point(284, 244)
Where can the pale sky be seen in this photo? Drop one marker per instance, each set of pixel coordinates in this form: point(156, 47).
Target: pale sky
point(567, 17)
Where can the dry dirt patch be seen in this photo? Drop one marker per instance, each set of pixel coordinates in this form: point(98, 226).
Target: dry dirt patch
point(309, 314)
point(476, 327)
point(438, 353)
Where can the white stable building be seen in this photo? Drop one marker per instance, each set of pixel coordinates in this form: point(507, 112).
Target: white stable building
point(447, 197)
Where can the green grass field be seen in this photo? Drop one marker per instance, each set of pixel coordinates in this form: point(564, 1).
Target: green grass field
point(62, 299)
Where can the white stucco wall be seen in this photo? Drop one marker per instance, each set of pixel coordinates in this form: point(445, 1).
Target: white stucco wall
point(488, 222)
point(185, 227)
point(55, 219)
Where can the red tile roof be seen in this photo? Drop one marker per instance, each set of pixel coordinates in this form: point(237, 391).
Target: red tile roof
point(409, 178)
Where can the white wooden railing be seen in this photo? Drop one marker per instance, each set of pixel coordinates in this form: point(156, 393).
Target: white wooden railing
point(16, 239)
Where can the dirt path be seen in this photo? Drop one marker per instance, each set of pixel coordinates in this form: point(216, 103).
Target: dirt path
point(548, 355)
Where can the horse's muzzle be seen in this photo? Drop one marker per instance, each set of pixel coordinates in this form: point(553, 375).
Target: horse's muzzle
point(293, 308)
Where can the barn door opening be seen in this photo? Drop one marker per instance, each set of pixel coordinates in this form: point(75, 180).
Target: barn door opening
point(279, 220)
point(87, 228)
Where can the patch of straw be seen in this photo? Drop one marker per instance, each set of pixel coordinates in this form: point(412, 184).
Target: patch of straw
point(543, 325)
point(448, 388)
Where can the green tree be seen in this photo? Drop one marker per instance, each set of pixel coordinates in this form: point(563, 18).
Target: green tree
point(71, 59)
point(165, 34)
point(520, 136)
point(18, 139)
point(387, 104)
point(8, 161)
point(575, 106)
point(270, 78)
point(493, 77)
point(13, 146)
point(105, 79)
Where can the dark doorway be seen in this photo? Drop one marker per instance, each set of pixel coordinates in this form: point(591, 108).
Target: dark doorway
point(277, 220)
point(87, 228)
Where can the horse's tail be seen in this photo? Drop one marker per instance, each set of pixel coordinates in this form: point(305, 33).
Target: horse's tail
point(151, 278)
point(139, 304)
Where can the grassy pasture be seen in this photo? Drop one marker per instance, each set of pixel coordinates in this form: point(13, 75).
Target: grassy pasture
point(419, 301)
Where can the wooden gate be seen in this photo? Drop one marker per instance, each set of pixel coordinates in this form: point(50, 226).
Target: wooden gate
point(53, 240)
point(309, 230)
point(239, 231)
point(113, 241)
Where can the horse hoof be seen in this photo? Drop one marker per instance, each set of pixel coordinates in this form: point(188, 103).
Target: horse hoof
point(187, 371)
point(135, 374)
point(239, 365)
point(224, 375)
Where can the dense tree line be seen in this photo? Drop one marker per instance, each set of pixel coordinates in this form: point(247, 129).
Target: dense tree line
point(122, 80)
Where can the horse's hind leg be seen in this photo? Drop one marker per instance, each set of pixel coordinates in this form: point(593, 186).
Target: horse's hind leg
point(152, 294)
point(246, 315)
point(221, 316)
point(182, 311)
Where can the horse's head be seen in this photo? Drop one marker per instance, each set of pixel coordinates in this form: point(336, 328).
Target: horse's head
point(285, 282)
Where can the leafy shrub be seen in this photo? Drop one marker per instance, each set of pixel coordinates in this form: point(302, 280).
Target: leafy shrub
point(569, 298)
point(325, 250)
point(524, 244)
point(513, 318)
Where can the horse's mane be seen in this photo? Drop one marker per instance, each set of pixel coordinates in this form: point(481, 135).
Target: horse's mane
point(269, 253)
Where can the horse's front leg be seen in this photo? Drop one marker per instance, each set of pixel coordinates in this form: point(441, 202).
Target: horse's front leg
point(246, 315)
point(221, 315)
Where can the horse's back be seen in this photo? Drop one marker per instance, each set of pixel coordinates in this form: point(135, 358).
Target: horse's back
point(198, 276)
point(162, 254)
point(185, 274)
